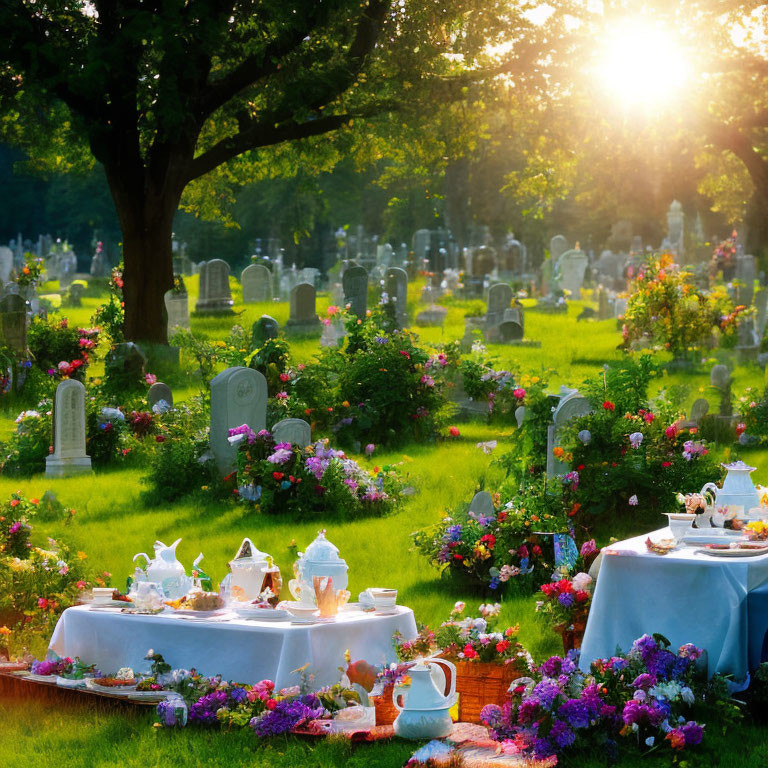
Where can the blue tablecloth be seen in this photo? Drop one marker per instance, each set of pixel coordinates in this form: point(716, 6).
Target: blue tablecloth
point(686, 595)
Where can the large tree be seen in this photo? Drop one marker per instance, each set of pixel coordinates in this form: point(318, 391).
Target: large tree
point(165, 92)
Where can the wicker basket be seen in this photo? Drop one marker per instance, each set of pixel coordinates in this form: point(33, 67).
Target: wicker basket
point(480, 683)
point(386, 711)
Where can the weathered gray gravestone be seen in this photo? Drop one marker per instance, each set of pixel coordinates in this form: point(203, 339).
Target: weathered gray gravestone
point(558, 245)
point(355, 283)
point(257, 284)
point(571, 406)
point(510, 330)
point(69, 456)
point(159, 391)
point(13, 323)
point(294, 431)
point(720, 378)
point(177, 309)
point(215, 296)
point(397, 289)
point(482, 505)
point(6, 263)
point(303, 314)
point(499, 299)
point(571, 268)
point(238, 396)
point(746, 272)
point(433, 315)
point(266, 327)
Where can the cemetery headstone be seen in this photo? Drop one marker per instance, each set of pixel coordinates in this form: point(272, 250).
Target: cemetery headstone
point(13, 323)
point(266, 327)
point(69, 456)
point(483, 261)
point(571, 268)
point(699, 410)
point(499, 299)
point(257, 284)
point(434, 315)
point(558, 245)
point(75, 295)
point(215, 296)
point(482, 505)
point(177, 309)
point(6, 263)
point(761, 305)
point(303, 314)
point(294, 431)
point(238, 396)
point(746, 272)
point(720, 378)
point(675, 227)
point(571, 406)
point(99, 265)
point(160, 391)
point(397, 289)
point(127, 360)
point(355, 283)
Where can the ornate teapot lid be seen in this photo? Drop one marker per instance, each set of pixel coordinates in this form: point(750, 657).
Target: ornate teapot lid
point(247, 553)
point(321, 550)
point(738, 465)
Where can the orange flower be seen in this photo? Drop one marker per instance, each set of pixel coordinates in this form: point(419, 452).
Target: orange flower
point(5, 631)
point(558, 452)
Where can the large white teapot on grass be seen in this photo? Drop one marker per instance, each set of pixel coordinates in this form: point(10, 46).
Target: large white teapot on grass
point(165, 570)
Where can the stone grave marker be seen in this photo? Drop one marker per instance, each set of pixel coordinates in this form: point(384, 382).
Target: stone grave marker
point(266, 327)
point(720, 379)
point(571, 268)
point(482, 505)
point(294, 431)
point(510, 330)
point(257, 284)
point(13, 322)
point(303, 314)
point(355, 283)
point(177, 309)
point(499, 299)
point(160, 391)
point(215, 296)
point(69, 456)
point(396, 286)
point(558, 245)
point(6, 263)
point(746, 272)
point(571, 406)
point(483, 261)
point(238, 396)
point(433, 315)
point(67, 267)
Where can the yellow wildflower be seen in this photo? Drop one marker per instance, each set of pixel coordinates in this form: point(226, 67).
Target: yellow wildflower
point(81, 555)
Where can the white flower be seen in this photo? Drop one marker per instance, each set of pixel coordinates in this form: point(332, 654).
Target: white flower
point(581, 581)
point(161, 406)
point(633, 500)
point(687, 695)
point(480, 624)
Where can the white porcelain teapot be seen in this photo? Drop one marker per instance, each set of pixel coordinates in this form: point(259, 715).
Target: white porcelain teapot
point(424, 708)
point(164, 569)
point(738, 489)
point(247, 568)
point(320, 559)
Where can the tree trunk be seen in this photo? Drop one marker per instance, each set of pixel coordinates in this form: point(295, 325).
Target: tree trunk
point(146, 220)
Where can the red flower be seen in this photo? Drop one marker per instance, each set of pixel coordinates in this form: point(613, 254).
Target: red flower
point(671, 431)
point(549, 589)
point(278, 476)
point(160, 438)
point(469, 652)
point(502, 646)
point(405, 354)
point(14, 502)
point(580, 467)
point(454, 432)
point(271, 704)
point(609, 406)
point(536, 550)
point(458, 557)
point(741, 428)
point(284, 377)
point(319, 490)
point(581, 596)
point(649, 417)
point(502, 516)
point(564, 585)
point(489, 539)
point(666, 464)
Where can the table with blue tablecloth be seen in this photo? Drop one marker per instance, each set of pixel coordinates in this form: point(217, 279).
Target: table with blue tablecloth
point(717, 603)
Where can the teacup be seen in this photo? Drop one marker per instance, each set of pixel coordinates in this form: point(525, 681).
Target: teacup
point(102, 594)
point(384, 600)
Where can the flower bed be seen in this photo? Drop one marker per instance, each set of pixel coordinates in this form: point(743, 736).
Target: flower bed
point(310, 481)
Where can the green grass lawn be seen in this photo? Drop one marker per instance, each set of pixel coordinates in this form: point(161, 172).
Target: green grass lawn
point(113, 523)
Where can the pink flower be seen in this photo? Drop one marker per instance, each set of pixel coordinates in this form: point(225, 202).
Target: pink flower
point(284, 377)
point(369, 449)
point(427, 380)
point(671, 431)
point(649, 417)
point(81, 585)
point(63, 366)
point(150, 378)
point(281, 396)
point(519, 393)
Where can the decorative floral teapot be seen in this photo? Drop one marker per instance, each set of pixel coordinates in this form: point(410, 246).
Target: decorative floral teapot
point(320, 559)
point(424, 708)
point(738, 489)
point(247, 568)
point(165, 570)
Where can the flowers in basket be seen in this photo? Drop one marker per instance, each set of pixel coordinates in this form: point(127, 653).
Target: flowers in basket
point(757, 530)
point(566, 602)
point(313, 479)
point(647, 697)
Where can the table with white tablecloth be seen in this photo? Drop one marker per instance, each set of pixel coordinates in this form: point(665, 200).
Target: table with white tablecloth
point(687, 596)
point(243, 650)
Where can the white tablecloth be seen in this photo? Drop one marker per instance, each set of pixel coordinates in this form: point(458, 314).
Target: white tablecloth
point(245, 651)
point(687, 596)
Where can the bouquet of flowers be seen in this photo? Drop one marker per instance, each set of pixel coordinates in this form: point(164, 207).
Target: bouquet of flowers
point(566, 602)
point(648, 696)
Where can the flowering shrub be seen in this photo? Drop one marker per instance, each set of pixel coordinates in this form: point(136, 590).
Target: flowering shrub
point(566, 602)
point(25, 450)
point(382, 388)
point(310, 480)
point(667, 310)
point(60, 351)
point(648, 696)
point(493, 550)
point(111, 316)
point(753, 410)
point(30, 273)
point(36, 583)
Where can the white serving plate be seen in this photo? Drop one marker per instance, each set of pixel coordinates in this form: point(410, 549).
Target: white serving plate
point(65, 682)
point(735, 552)
point(93, 685)
point(188, 613)
point(262, 614)
point(713, 536)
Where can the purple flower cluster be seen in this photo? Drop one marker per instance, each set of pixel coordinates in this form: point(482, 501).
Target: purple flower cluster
point(204, 710)
point(648, 688)
point(288, 714)
point(244, 429)
point(51, 666)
